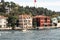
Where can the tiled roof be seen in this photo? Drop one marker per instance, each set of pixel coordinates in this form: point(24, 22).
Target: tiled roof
point(2, 17)
point(40, 16)
point(25, 16)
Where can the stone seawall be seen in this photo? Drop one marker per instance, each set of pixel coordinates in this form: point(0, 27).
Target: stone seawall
point(18, 28)
point(5, 28)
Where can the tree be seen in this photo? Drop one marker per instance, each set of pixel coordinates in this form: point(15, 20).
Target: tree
point(2, 6)
point(12, 21)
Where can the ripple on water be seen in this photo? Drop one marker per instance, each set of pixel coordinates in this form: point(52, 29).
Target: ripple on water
point(53, 34)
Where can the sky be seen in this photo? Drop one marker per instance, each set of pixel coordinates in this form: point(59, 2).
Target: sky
point(53, 5)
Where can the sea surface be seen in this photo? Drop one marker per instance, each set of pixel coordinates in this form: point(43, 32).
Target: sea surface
point(51, 34)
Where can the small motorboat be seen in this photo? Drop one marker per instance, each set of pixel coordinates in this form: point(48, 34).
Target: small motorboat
point(24, 30)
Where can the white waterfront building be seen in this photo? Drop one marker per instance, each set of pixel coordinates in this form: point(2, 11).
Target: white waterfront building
point(3, 22)
point(54, 21)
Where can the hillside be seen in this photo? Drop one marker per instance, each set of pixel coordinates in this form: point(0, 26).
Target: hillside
point(17, 9)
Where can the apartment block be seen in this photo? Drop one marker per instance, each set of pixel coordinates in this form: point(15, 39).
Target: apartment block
point(42, 20)
point(25, 21)
point(3, 22)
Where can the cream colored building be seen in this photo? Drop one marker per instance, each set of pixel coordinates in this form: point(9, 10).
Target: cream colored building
point(3, 22)
point(54, 21)
point(25, 21)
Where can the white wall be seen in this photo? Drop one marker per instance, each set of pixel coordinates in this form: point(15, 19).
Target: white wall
point(3, 22)
point(54, 20)
point(58, 24)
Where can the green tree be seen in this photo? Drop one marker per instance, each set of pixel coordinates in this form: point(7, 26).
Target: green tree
point(12, 21)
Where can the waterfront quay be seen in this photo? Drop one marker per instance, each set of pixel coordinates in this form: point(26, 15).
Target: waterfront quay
point(37, 28)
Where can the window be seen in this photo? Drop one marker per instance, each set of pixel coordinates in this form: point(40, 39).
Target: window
point(48, 18)
point(45, 19)
point(25, 23)
point(29, 23)
point(0, 26)
point(0, 21)
point(20, 20)
point(29, 20)
point(4, 25)
point(25, 20)
point(20, 17)
point(29, 17)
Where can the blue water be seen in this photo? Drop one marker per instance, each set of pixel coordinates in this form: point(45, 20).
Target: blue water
point(53, 34)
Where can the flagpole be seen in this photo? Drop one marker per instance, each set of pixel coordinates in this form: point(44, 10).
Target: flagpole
point(34, 3)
